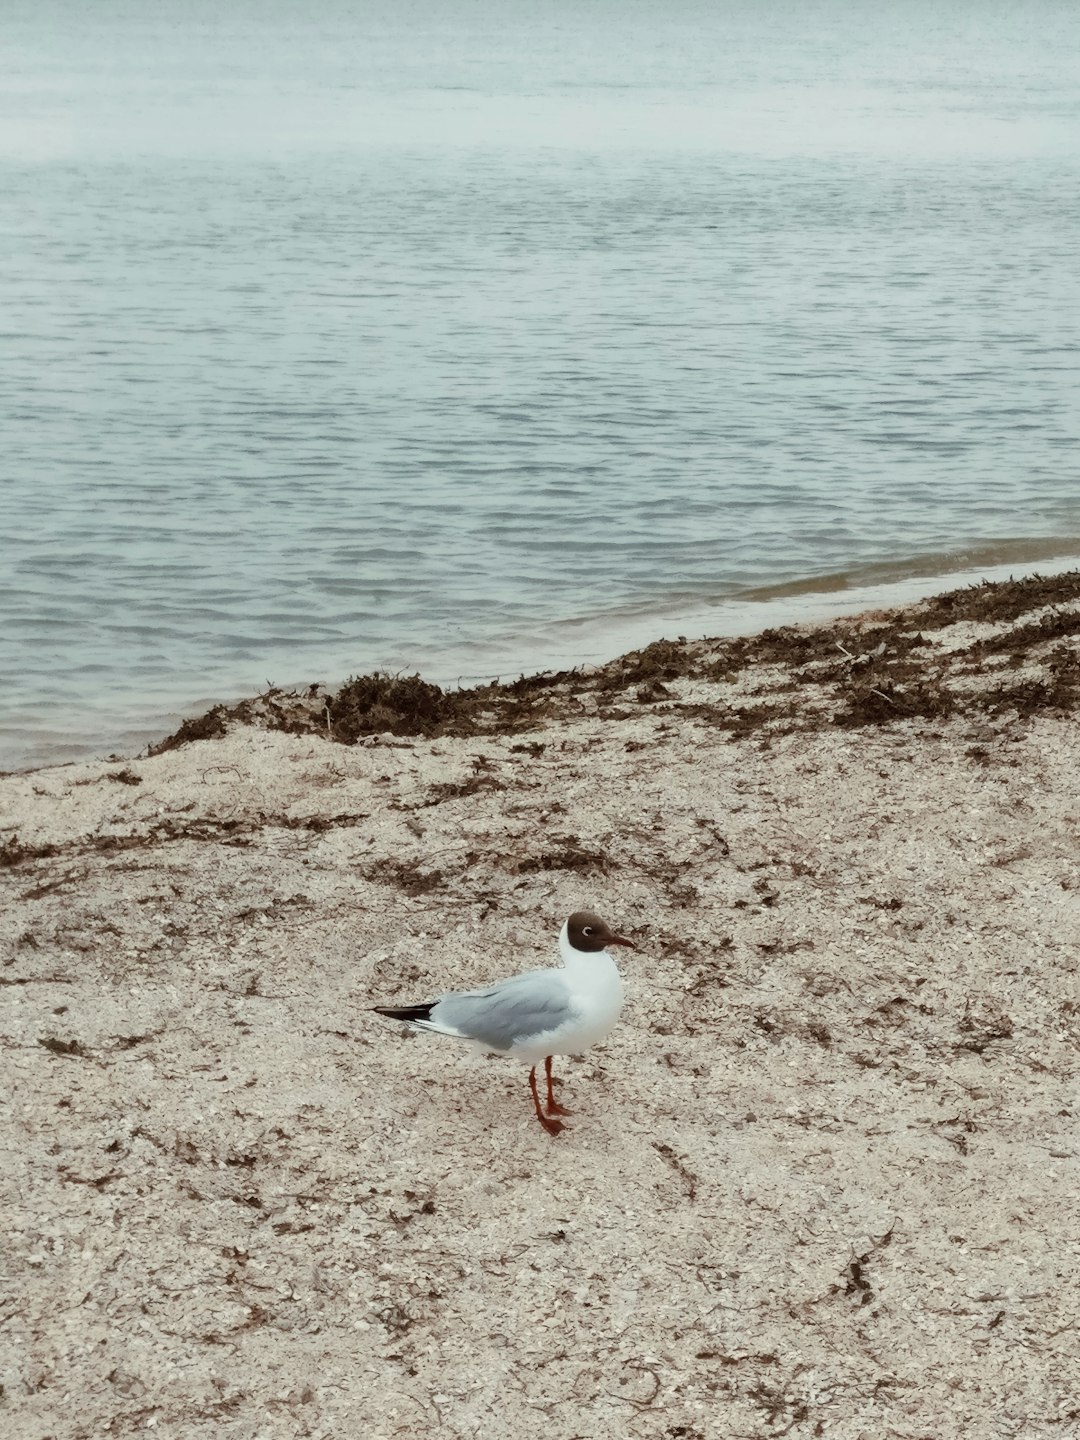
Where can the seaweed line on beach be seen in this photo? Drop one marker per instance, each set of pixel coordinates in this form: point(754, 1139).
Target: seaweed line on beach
point(877, 669)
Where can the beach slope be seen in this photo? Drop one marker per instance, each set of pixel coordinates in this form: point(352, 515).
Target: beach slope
point(823, 1178)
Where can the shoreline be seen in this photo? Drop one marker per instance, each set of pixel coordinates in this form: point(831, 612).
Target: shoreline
point(596, 643)
point(779, 681)
point(822, 1173)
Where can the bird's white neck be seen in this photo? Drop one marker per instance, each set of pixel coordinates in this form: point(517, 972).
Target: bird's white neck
point(594, 979)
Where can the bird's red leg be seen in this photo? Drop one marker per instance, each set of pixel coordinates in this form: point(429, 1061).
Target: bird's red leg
point(551, 1126)
point(553, 1106)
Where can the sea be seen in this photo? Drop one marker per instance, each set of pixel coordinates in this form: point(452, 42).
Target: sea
point(474, 337)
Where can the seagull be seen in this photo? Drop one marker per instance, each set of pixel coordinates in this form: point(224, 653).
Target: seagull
point(542, 1013)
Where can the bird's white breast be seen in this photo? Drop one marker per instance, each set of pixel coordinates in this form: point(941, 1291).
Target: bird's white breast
point(596, 990)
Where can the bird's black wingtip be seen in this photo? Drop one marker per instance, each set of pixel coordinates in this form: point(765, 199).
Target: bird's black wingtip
point(408, 1013)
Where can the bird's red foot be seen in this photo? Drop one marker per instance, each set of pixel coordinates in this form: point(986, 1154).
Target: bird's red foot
point(551, 1125)
point(553, 1106)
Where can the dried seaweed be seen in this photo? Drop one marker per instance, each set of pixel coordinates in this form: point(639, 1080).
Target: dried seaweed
point(62, 1047)
point(1055, 625)
point(456, 789)
point(14, 852)
point(662, 660)
point(1000, 600)
point(888, 701)
point(566, 853)
point(202, 727)
point(381, 704)
point(409, 876)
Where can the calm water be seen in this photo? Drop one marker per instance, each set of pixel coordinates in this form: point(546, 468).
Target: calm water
point(405, 334)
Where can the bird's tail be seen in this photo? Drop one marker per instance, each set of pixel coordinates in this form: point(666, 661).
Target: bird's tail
point(411, 1014)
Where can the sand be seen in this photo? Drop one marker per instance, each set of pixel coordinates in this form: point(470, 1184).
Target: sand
point(823, 1178)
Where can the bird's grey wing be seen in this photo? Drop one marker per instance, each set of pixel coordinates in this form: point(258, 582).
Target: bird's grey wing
point(506, 1014)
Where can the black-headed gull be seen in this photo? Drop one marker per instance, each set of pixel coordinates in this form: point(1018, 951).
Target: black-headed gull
point(560, 1011)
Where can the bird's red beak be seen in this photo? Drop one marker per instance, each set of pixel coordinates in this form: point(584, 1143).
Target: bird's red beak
point(621, 940)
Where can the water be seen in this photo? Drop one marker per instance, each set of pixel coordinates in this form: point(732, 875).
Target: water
point(428, 334)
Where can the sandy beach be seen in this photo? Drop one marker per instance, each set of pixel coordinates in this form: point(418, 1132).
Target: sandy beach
point(822, 1179)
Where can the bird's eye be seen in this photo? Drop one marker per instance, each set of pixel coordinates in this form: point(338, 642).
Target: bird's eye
point(587, 930)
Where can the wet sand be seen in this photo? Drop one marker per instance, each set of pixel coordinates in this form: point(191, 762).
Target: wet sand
point(821, 1180)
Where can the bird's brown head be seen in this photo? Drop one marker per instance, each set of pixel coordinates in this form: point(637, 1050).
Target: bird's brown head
point(587, 932)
